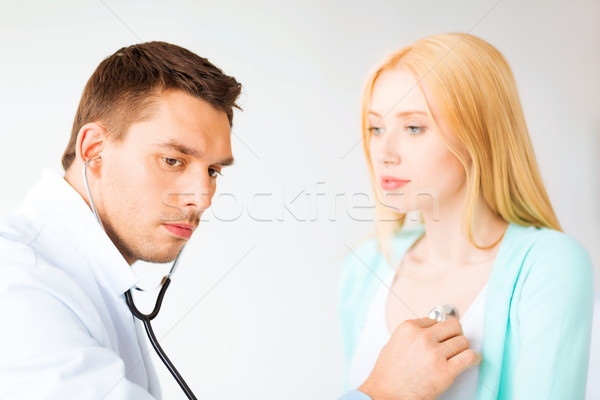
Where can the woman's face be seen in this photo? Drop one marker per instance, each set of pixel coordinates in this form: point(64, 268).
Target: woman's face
point(413, 167)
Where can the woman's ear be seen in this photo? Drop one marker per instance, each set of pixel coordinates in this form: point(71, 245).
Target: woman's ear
point(90, 141)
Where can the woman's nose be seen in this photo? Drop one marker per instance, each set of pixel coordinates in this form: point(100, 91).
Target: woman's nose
point(389, 150)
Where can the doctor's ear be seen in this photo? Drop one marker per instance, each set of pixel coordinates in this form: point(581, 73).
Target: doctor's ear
point(95, 159)
point(90, 141)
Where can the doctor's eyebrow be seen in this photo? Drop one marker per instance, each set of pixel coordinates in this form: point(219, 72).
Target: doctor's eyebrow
point(183, 149)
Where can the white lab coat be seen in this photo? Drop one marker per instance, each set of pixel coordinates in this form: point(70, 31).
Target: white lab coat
point(65, 329)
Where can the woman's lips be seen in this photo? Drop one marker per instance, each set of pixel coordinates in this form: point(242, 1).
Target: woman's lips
point(182, 230)
point(390, 183)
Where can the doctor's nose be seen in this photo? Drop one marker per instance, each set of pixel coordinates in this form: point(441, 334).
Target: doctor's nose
point(192, 197)
point(201, 192)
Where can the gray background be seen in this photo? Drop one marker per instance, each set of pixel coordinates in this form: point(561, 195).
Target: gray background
point(251, 312)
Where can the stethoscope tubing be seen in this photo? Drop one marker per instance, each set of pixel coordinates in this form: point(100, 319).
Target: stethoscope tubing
point(146, 318)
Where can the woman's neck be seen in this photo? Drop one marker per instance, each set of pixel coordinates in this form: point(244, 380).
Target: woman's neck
point(446, 246)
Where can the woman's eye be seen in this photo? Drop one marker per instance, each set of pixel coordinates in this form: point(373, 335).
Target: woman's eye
point(375, 130)
point(172, 162)
point(413, 129)
point(213, 172)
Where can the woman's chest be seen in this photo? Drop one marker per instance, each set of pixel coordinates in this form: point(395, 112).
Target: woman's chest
point(413, 295)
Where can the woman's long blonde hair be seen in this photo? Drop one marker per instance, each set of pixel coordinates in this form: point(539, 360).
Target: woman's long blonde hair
point(476, 94)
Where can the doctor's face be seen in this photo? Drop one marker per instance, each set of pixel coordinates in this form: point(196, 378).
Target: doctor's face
point(155, 183)
point(412, 165)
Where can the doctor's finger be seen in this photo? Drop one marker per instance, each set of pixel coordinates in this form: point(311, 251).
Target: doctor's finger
point(463, 361)
point(447, 329)
point(425, 322)
point(454, 346)
point(413, 328)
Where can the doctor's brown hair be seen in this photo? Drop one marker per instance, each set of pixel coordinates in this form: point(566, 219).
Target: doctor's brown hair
point(125, 85)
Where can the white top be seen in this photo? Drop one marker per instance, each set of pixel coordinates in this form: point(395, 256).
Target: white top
point(65, 329)
point(375, 335)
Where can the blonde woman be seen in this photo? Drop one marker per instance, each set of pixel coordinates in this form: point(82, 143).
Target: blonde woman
point(445, 138)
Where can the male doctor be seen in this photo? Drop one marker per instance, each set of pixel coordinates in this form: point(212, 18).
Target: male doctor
point(153, 125)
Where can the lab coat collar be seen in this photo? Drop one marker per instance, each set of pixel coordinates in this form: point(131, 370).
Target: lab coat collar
point(69, 234)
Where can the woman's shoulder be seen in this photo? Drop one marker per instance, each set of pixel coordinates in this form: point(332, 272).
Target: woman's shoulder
point(546, 240)
point(550, 251)
point(366, 259)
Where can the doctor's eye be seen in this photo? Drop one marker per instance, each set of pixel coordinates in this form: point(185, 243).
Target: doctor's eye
point(375, 130)
point(213, 173)
point(172, 162)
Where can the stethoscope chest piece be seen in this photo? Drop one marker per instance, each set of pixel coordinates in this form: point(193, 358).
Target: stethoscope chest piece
point(442, 313)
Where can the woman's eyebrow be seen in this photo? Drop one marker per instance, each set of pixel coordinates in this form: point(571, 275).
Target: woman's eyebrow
point(400, 114)
point(411, 112)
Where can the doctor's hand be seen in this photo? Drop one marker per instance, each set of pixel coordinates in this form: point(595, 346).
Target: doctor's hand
point(421, 360)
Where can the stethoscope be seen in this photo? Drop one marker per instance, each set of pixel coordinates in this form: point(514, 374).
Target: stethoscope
point(442, 313)
point(146, 318)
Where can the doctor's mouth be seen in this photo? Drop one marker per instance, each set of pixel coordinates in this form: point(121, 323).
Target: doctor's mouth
point(180, 230)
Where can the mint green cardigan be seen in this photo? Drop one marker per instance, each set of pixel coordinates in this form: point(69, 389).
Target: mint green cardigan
point(538, 311)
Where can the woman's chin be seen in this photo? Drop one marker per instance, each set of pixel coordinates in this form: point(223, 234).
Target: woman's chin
point(396, 208)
